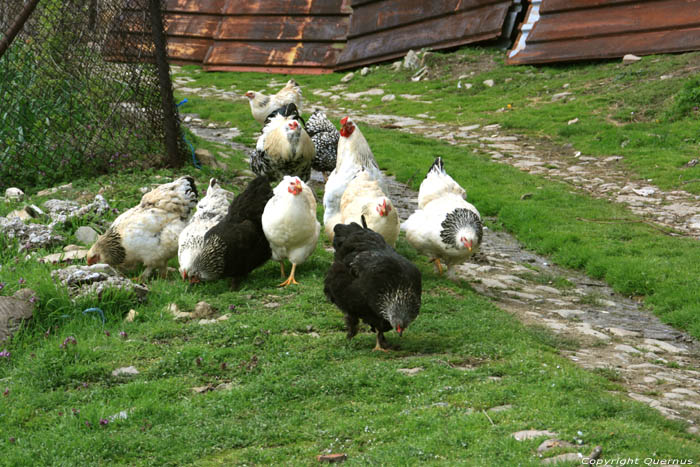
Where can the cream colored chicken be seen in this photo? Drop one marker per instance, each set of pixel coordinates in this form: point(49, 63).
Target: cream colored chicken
point(364, 197)
point(354, 155)
point(148, 233)
point(262, 105)
point(290, 225)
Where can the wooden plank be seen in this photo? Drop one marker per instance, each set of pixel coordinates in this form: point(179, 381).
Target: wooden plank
point(188, 49)
point(288, 7)
point(668, 14)
point(271, 69)
point(461, 28)
point(284, 28)
point(191, 25)
point(285, 54)
point(552, 6)
point(643, 43)
point(386, 14)
point(194, 6)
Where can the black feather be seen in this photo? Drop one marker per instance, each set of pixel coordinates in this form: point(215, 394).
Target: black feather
point(287, 110)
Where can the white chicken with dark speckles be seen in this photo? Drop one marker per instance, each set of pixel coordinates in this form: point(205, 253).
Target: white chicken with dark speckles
point(445, 227)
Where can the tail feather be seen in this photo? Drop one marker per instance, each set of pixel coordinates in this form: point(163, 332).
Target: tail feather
point(438, 167)
point(192, 186)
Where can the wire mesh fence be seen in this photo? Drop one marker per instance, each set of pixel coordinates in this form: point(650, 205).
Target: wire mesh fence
point(80, 93)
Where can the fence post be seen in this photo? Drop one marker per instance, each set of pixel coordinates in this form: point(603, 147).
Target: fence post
point(166, 89)
point(17, 26)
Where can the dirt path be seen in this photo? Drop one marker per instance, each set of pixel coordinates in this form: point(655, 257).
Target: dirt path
point(655, 363)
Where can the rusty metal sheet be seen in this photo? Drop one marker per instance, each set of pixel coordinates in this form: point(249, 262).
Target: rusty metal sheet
point(272, 54)
point(481, 20)
point(286, 7)
point(194, 6)
point(188, 50)
point(286, 28)
point(183, 25)
point(557, 30)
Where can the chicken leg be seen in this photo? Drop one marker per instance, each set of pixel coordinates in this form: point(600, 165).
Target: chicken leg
point(382, 344)
point(282, 270)
point(290, 279)
point(438, 264)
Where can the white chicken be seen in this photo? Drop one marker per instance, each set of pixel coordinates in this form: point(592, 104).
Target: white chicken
point(283, 148)
point(445, 227)
point(148, 233)
point(364, 197)
point(354, 155)
point(262, 105)
point(210, 210)
point(290, 225)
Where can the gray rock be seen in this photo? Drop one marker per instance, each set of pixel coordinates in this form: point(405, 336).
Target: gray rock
point(203, 310)
point(29, 235)
point(347, 77)
point(126, 371)
point(14, 194)
point(87, 280)
point(410, 371)
point(14, 311)
point(563, 458)
point(364, 71)
point(553, 443)
point(86, 235)
point(20, 214)
point(489, 83)
point(396, 66)
point(531, 434)
point(411, 60)
point(388, 98)
point(66, 256)
point(61, 210)
point(630, 58)
point(561, 95)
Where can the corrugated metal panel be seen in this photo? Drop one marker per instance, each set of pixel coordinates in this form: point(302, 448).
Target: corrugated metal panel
point(567, 30)
point(275, 35)
point(386, 29)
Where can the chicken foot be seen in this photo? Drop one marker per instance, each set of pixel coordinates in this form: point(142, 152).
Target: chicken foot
point(290, 279)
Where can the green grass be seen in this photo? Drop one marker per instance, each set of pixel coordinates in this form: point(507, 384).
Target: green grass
point(293, 396)
point(631, 256)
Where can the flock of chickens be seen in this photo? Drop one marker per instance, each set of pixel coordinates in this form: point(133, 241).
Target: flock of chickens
point(228, 237)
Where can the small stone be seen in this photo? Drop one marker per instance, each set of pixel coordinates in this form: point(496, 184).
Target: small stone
point(396, 66)
point(531, 434)
point(525, 196)
point(568, 313)
point(20, 214)
point(86, 235)
point(364, 71)
point(203, 310)
point(489, 83)
point(665, 346)
point(272, 305)
point(131, 316)
point(645, 191)
point(14, 311)
point(14, 194)
point(622, 332)
point(626, 349)
point(332, 458)
point(573, 121)
point(560, 95)
point(411, 60)
point(410, 371)
point(202, 389)
point(687, 392)
point(388, 98)
point(126, 371)
point(630, 58)
point(347, 77)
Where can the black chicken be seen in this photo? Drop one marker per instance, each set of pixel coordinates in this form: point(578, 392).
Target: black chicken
point(237, 244)
point(369, 280)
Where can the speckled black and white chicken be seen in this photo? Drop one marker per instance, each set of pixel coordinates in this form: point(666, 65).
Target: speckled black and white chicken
point(325, 137)
point(445, 227)
point(148, 233)
point(370, 281)
point(210, 210)
point(236, 245)
point(283, 148)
